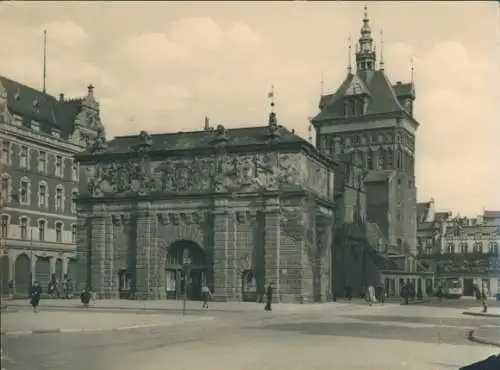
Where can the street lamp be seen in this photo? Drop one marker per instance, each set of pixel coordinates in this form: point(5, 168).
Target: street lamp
point(186, 266)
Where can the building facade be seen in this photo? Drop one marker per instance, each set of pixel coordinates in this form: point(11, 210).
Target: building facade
point(39, 135)
point(369, 121)
point(460, 247)
point(235, 208)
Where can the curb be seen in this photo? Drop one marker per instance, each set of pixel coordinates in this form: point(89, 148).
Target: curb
point(473, 338)
point(100, 330)
point(480, 314)
point(415, 302)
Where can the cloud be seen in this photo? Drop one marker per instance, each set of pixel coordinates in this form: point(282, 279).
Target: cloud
point(69, 68)
point(152, 48)
point(456, 105)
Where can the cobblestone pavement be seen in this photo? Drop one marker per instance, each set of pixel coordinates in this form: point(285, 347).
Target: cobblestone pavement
point(355, 337)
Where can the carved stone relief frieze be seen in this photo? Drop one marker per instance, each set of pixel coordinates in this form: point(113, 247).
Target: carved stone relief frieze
point(245, 217)
point(119, 220)
point(176, 218)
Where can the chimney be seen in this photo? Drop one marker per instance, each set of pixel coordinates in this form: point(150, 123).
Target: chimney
point(61, 97)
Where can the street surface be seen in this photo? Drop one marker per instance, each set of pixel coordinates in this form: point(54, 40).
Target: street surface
point(341, 335)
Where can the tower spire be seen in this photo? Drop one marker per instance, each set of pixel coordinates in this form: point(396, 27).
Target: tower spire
point(381, 50)
point(349, 55)
point(365, 54)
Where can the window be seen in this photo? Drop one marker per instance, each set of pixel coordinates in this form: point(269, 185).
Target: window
point(493, 247)
point(5, 188)
point(74, 194)
point(478, 247)
point(23, 224)
point(4, 226)
point(42, 161)
point(464, 248)
point(355, 139)
point(399, 159)
point(23, 157)
point(59, 199)
point(369, 159)
point(74, 171)
point(41, 230)
point(390, 159)
point(59, 227)
point(73, 233)
point(450, 248)
point(58, 166)
point(42, 195)
point(6, 152)
point(24, 190)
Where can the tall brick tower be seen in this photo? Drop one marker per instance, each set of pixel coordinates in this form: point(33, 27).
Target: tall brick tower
point(372, 119)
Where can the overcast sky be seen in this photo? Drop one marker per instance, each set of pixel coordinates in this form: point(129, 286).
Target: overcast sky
point(164, 66)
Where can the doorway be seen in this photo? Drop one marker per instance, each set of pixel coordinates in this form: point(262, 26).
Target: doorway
point(180, 281)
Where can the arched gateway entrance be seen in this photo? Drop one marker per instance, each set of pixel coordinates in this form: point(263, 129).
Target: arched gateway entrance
point(177, 254)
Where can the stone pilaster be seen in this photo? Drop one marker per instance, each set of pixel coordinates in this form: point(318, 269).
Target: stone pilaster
point(221, 246)
point(108, 263)
point(272, 249)
point(143, 221)
point(82, 253)
point(97, 254)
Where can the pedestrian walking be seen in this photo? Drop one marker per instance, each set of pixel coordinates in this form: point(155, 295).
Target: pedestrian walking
point(370, 295)
point(85, 297)
point(269, 297)
point(484, 297)
point(205, 295)
point(406, 293)
point(382, 293)
point(35, 295)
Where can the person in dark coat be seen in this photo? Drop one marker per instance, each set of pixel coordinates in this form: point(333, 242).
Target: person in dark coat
point(269, 297)
point(35, 295)
point(85, 296)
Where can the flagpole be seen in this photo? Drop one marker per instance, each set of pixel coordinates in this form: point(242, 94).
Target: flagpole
point(44, 59)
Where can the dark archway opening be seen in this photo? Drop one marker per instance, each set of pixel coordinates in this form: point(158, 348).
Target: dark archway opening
point(4, 274)
point(42, 271)
point(22, 275)
point(180, 281)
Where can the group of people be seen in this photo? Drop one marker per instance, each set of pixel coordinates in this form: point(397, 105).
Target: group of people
point(371, 293)
point(61, 289)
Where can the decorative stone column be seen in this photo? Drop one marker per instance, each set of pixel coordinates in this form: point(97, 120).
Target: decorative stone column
point(82, 252)
point(272, 246)
point(97, 255)
point(143, 266)
point(221, 246)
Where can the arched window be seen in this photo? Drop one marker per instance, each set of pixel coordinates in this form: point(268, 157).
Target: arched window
point(464, 248)
point(43, 194)
point(5, 187)
point(59, 198)
point(450, 248)
point(381, 159)
point(399, 159)
point(24, 226)
point(369, 159)
point(59, 232)
point(4, 226)
point(493, 247)
point(478, 247)
point(73, 233)
point(42, 226)
point(25, 191)
point(74, 194)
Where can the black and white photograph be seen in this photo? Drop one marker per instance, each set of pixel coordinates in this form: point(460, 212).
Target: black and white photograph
point(249, 185)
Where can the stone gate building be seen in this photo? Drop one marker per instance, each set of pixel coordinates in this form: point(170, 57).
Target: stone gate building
point(243, 206)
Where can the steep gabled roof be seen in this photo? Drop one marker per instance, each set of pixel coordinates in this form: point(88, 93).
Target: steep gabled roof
point(32, 104)
point(382, 96)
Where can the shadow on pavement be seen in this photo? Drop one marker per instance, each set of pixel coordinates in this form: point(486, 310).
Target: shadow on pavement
point(459, 321)
point(440, 335)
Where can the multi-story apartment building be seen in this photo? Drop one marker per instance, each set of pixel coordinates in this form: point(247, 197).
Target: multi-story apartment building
point(460, 247)
point(39, 134)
